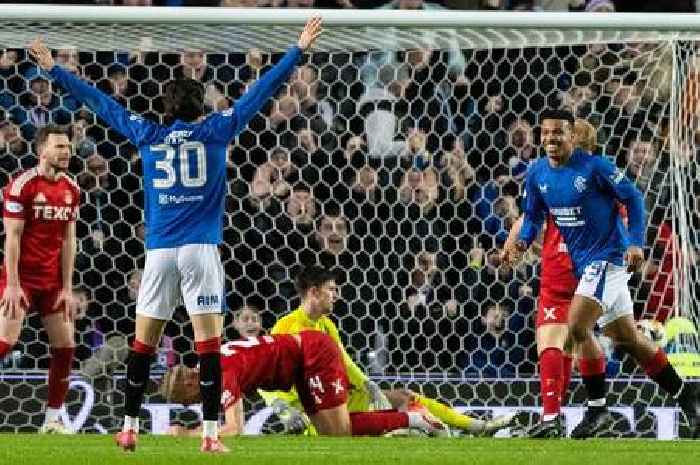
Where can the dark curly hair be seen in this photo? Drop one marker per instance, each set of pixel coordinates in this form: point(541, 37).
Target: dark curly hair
point(184, 99)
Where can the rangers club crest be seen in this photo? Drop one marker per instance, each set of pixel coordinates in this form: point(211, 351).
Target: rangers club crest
point(68, 198)
point(580, 183)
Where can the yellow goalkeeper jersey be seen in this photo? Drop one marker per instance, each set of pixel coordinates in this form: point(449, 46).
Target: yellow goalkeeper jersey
point(297, 321)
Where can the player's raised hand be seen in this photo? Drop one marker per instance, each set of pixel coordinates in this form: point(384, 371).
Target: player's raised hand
point(66, 301)
point(41, 54)
point(634, 257)
point(311, 31)
point(13, 303)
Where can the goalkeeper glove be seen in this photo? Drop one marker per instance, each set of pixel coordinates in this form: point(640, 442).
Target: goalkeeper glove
point(293, 420)
point(377, 399)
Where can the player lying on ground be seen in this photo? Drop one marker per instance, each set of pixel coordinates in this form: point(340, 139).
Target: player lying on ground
point(309, 361)
point(184, 168)
point(581, 193)
point(318, 291)
point(248, 323)
point(557, 288)
point(40, 207)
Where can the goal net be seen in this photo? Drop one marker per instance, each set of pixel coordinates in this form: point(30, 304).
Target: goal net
point(396, 154)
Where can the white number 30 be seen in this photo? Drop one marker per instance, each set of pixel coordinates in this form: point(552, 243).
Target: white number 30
point(166, 165)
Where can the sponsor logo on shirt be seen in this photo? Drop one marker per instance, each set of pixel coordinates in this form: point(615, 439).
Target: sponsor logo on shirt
point(169, 199)
point(543, 188)
point(14, 207)
point(227, 113)
point(617, 176)
point(50, 212)
point(40, 198)
point(568, 216)
point(580, 183)
point(68, 198)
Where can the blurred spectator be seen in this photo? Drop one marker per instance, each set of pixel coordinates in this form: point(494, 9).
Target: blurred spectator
point(490, 342)
point(272, 179)
point(332, 233)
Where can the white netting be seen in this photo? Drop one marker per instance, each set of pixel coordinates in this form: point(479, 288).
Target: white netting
point(402, 168)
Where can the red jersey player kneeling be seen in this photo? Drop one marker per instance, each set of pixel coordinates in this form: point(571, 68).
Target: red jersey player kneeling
point(309, 361)
point(39, 211)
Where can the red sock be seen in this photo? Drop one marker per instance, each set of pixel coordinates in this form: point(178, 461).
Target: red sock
point(210, 346)
point(655, 364)
point(567, 363)
point(550, 380)
point(59, 371)
point(377, 423)
point(4, 348)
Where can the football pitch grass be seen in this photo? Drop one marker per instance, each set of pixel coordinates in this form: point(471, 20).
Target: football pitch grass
point(29, 449)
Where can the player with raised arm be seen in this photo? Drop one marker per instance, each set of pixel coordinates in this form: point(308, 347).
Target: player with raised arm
point(580, 193)
point(311, 362)
point(40, 207)
point(184, 168)
point(557, 288)
point(317, 288)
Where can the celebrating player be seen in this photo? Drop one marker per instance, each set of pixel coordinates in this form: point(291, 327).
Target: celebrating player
point(317, 288)
point(311, 362)
point(557, 288)
point(40, 207)
point(185, 182)
point(580, 193)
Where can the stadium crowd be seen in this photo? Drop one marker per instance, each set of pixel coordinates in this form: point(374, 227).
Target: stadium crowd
point(401, 170)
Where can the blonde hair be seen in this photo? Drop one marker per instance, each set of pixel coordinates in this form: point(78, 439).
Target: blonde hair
point(172, 386)
point(585, 135)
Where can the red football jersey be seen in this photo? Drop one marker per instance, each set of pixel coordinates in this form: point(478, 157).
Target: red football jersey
point(46, 206)
point(267, 362)
point(557, 269)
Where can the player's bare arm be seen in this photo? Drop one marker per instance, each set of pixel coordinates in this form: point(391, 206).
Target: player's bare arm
point(511, 253)
point(233, 424)
point(65, 297)
point(13, 303)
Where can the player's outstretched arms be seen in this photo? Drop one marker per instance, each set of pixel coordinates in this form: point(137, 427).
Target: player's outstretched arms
point(269, 83)
point(134, 128)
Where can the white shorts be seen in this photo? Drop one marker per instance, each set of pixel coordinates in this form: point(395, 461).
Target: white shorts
point(192, 274)
point(607, 284)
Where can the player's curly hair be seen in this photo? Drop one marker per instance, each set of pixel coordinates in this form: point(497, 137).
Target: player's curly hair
point(184, 99)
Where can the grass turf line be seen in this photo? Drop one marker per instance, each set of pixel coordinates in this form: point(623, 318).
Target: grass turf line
point(30, 449)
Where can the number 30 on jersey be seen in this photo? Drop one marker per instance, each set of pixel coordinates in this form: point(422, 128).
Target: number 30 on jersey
point(183, 152)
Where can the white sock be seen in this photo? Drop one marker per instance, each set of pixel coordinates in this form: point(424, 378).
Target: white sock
point(52, 415)
point(550, 416)
point(131, 423)
point(210, 429)
point(597, 402)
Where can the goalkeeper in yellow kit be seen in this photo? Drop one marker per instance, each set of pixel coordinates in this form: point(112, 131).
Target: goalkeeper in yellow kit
point(317, 288)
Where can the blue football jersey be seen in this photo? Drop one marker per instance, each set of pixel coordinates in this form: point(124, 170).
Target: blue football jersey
point(184, 165)
point(581, 197)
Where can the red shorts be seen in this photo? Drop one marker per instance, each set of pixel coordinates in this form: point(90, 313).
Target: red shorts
point(552, 308)
point(323, 381)
point(40, 299)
